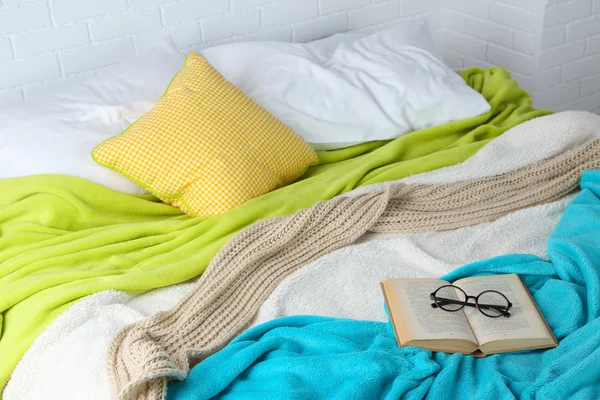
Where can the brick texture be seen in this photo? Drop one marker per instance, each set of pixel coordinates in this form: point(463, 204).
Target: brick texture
point(28, 71)
point(373, 15)
point(227, 25)
point(333, 6)
point(593, 46)
point(50, 40)
point(96, 55)
point(20, 19)
point(590, 85)
point(554, 37)
point(512, 16)
point(189, 10)
point(67, 11)
point(552, 47)
point(6, 52)
point(123, 24)
point(11, 95)
point(289, 11)
point(320, 27)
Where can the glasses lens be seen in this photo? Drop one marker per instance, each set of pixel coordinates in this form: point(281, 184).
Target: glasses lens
point(492, 304)
point(450, 298)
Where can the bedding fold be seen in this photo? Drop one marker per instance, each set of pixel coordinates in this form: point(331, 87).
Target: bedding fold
point(63, 238)
point(355, 272)
point(79, 338)
point(144, 356)
point(309, 357)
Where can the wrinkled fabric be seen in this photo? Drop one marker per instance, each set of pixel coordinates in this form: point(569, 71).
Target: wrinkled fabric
point(63, 238)
point(308, 357)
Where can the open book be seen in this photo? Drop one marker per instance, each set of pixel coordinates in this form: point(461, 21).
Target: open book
point(468, 331)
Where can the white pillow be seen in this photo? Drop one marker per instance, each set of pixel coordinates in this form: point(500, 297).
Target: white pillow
point(56, 132)
point(351, 89)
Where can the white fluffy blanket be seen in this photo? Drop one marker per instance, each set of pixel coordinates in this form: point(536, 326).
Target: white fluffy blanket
point(67, 360)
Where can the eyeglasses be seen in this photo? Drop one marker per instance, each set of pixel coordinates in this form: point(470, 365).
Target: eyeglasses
point(490, 303)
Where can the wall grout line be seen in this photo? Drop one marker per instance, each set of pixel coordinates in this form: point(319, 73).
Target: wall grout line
point(296, 20)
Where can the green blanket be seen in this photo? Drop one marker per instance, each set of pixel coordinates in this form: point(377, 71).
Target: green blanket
point(63, 238)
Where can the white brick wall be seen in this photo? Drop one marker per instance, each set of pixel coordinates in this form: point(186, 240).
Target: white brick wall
point(96, 55)
point(43, 41)
point(331, 6)
point(19, 19)
point(508, 32)
point(569, 41)
point(68, 11)
point(552, 47)
point(50, 39)
point(367, 16)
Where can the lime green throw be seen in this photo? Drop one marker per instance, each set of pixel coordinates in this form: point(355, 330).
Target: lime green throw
point(63, 238)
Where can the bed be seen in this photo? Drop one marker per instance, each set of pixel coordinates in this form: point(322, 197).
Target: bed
point(108, 291)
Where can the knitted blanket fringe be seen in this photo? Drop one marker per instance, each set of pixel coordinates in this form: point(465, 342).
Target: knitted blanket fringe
point(144, 356)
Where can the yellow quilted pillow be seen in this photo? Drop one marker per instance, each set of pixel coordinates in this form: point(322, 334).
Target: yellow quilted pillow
point(206, 147)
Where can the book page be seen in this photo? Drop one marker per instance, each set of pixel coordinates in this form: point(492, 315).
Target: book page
point(423, 321)
point(524, 321)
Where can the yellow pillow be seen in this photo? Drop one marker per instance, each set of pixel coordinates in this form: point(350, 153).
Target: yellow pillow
point(206, 147)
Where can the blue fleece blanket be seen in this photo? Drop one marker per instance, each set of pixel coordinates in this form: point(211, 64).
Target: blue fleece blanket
point(312, 358)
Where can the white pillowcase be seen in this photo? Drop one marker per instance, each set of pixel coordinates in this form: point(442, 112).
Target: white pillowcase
point(335, 92)
point(56, 132)
point(351, 89)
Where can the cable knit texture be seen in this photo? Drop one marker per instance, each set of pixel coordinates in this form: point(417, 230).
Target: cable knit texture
point(144, 356)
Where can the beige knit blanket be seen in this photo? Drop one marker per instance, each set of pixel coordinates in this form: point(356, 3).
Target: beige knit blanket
point(144, 356)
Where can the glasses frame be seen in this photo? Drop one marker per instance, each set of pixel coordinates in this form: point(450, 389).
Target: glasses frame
point(444, 301)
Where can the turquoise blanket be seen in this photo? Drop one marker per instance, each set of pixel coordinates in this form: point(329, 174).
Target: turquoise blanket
point(308, 357)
